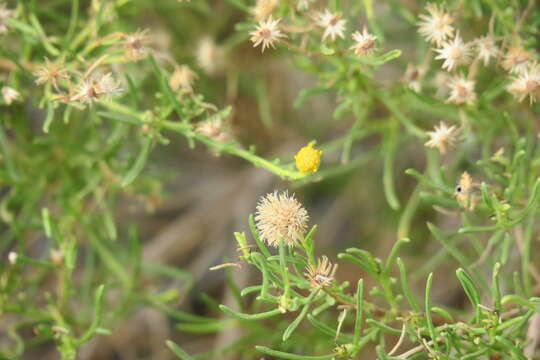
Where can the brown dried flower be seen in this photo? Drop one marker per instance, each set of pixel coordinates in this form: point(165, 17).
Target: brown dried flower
point(182, 78)
point(10, 95)
point(322, 274)
point(526, 84)
point(442, 137)
point(517, 59)
point(464, 192)
point(264, 8)
point(461, 91)
point(51, 73)
point(437, 26)
point(365, 43)
point(135, 45)
point(98, 86)
point(267, 33)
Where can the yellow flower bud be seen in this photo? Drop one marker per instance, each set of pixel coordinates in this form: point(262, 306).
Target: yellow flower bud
point(308, 159)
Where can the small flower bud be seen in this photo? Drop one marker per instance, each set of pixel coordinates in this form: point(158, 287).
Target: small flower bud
point(308, 159)
point(12, 257)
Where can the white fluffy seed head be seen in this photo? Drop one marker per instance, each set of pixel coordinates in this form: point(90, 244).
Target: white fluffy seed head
point(333, 24)
point(461, 91)
point(365, 43)
point(267, 33)
point(281, 216)
point(437, 26)
point(442, 137)
point(454, 52)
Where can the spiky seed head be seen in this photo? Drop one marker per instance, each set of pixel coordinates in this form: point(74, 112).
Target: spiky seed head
point(517, 59)
point(527, 84)
point(96, 87)
point(322, 274)
point(5, 15)
point(333, 24)
point(442, 137)
point(210, 57)
point(51, 73)
point(487, 49)
point(267, 33)
point(461, 91)
point(454, 52)
point(365, 43)
point(281, 216)
point(264, 8)
point(437, 26)
point(182, 78)
point(10, 95)
point(135, 45)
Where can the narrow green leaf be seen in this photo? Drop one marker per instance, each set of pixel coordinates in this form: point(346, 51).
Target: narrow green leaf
point(389, 154)
point(205, 328)
point(264, 315)
point(496, 288)
point(359, 299)
point(471, 290)
point(383, 326)
point(292, 326)
point(393, 254)
point(46, 218)
point(178, 351)
point(427, 305)
point(98, 304)
point(49, 117)
point(139, 163)
point(284, 355)
point(405, 286)
point(381, 59)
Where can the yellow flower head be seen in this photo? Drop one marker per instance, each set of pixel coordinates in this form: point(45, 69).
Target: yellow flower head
point(308, 159)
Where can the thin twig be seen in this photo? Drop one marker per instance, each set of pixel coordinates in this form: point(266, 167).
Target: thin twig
point(399, 342)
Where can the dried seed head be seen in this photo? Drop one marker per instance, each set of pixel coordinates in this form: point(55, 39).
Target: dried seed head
point(308, 159)
point(437, 26)
point(303, 5)
point(280, 216)
point(413, 76)
point(264, 8)
point(267, 33)
point(527, 84)
point(442, 138)
point(321, 275)
point(464, 190)
point(98, 86)
point(135, 45)
point(210, 57)
point(182, 78)
point(454, 52)
point(487, 49)
point(51, 73)
point(461, 91)
point(12, 257)
point(333, 24)
point(5, 15)
point(10, 95)
point(57, 257)
point(517, 59)
point(365, 43)
point(215, 128)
